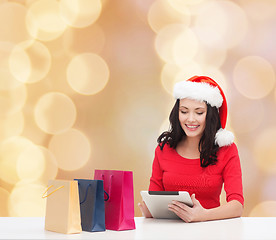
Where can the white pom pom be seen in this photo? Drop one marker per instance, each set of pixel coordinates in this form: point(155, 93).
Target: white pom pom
point(224, 138)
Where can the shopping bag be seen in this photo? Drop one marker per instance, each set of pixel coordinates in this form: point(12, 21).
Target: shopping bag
point(91, 193)
point(119, 208)
point(62, 207)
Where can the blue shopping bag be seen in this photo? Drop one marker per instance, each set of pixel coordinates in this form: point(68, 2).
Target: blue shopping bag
point(91, 194)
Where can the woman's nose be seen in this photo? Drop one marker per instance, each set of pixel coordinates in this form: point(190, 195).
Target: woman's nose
point(191, 117)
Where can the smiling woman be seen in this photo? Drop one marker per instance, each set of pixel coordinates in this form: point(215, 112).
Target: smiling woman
point(198, 155)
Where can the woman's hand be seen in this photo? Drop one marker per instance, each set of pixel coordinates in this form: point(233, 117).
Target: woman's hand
point(195, 214)
point(144, 209)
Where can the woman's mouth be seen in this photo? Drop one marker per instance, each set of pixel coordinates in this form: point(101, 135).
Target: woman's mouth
point(192, 127)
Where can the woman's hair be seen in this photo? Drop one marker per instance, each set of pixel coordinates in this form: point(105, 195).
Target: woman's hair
point(207, 147)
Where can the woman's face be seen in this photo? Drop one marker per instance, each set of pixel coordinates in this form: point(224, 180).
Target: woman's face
point(192, 117)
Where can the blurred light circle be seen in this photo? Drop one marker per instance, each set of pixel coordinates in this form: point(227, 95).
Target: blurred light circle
point(254, 77)
point(185, 47)
point(71, 149)
point(80, 13)
point(43, 20)
point(161, 14)
point(265, 150)
point(10, 151)
point(55, 113)
point(50, 165)
point(4, 198)
point(12, 23)
point(7, 80)
point(210, 30)
point(87, 73)
point(244, 117)
point(217, 20)
point(11, 125)
point(12, 101)
point(165, 41)
point(26, 201)
point(30, 163)
point(30, 61)
point(19, 64)
point(264, 209)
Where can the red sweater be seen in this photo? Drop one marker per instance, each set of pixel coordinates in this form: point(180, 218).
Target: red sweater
point(172, 172)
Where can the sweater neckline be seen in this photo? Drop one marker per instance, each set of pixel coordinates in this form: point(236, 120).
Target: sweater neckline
point(189, 159)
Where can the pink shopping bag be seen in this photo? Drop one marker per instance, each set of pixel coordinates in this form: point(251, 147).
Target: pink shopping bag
point(119, 209)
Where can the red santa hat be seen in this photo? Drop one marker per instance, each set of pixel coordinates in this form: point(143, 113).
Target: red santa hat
point(203, 88)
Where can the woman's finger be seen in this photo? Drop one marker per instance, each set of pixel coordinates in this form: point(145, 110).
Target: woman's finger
point(141, 209)
point(180, 213)
point(176, 207)
point(144, 209)
point(181, 205)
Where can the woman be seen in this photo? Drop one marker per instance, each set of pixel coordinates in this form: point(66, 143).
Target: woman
point(198, 155)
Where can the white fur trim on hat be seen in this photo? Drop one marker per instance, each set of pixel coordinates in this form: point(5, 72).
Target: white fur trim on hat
point(198, 91)
point(224, 138)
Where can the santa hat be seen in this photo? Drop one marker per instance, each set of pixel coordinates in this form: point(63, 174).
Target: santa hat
point(203, 88)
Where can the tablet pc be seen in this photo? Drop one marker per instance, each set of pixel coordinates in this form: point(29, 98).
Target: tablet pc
point(157, 202)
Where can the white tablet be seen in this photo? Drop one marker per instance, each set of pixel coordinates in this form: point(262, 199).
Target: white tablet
point(157, 202)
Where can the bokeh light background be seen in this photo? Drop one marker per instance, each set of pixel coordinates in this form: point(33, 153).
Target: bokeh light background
point(86, 84)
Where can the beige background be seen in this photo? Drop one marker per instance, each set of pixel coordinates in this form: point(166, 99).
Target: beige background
point(86, 85)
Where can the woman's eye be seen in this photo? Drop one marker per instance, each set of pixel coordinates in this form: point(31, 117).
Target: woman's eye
point(183, 112)
point(200, 113)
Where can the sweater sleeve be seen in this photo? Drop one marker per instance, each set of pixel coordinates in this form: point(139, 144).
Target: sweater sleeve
point(233, 177)
point(156, 182)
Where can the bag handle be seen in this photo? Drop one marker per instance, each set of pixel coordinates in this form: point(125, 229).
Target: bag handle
point(109, 187)
point(89, 185)
point(107, 196)
point(43, 196)
point(85, 197)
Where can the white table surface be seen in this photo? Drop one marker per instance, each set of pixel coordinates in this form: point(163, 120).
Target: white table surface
point(235, 229)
